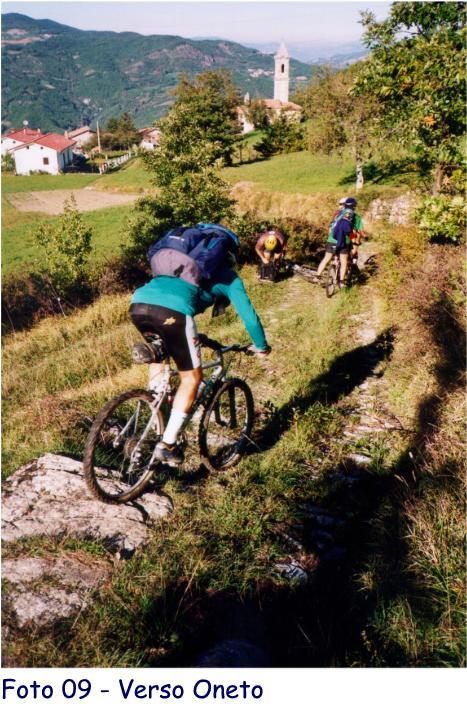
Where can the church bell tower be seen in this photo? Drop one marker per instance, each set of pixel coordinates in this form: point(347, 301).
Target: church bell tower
point(281, 74)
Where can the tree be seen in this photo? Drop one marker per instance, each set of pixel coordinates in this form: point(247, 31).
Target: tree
point(416, 71)
point(258, 114)
point(283, 135)
point(339, 118)
point(198, 137)
point(112, 125)
point(66, 246)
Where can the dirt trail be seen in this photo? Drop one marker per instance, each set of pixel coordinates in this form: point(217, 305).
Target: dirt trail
point(367, 415)
point(52, 201)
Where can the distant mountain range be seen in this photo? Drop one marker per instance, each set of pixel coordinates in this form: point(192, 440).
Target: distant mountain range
point(319, 52)
point(56, 77)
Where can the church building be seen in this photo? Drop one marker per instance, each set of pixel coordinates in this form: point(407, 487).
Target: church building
point(280, 103)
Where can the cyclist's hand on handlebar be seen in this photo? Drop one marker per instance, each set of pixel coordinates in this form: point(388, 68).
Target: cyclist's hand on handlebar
point(252, 349)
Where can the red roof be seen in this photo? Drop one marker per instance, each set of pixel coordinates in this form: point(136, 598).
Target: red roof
point(26, 135)
point(55, 141)
point(50, 140)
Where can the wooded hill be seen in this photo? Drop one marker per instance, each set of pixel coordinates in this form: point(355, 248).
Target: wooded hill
point(55, 76)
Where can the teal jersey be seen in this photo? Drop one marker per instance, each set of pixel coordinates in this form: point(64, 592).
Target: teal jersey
point(179, 295)
point(173, 293)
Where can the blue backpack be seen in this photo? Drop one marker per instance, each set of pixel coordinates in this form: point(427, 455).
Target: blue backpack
point(202, 251)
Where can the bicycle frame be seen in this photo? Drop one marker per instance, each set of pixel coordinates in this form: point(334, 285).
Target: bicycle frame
point(220, 369)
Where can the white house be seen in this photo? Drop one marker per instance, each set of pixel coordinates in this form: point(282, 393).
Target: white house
point(80, 136)
point(18, 137)
point(49, 153)
point(242, 117)
point(150, 138)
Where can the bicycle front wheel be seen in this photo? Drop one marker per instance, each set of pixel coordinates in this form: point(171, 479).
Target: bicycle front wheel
point(226, 425)
point(331, 281)
point(118, 456)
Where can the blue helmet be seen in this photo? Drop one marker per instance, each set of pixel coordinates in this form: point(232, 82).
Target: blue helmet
point(350, 202)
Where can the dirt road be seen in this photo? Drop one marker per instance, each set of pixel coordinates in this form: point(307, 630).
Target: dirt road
point(51, 201)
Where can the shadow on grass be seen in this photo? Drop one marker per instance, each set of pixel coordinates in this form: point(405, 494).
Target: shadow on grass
point(374, 173)
point(346, 373)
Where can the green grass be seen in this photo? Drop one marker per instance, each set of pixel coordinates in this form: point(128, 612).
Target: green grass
point(307, 173)
point(33, 183)
point(20, 253)
point(131, 177)
point(296, 172)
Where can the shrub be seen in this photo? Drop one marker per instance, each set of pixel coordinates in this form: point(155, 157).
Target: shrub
point(66, 246)
point(8, 163)
point(442, 218)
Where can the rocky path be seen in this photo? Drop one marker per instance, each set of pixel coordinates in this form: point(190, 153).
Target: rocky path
point(367, 417)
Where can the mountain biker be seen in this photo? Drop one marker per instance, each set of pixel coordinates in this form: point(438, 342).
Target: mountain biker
point(357, 233)
point(271, 248)
point(339, 241)
point(167, 305)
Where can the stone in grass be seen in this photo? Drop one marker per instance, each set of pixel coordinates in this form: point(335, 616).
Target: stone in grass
point(43, 590)
point(292, 572)
point(49, 497)
point(359, 458)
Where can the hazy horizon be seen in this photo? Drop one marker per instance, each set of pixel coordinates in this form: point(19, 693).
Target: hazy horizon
point(323, 24)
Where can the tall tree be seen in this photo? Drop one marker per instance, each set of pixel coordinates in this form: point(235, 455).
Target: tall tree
point(339, 118)
point(198, 137)
point(416, 71)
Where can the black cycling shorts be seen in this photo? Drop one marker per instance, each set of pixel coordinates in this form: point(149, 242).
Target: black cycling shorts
point(331, 249)
point(178, 332)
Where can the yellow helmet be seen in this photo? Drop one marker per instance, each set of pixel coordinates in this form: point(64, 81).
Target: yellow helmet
point(270, 242)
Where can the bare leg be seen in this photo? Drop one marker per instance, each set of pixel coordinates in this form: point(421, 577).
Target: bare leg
point(184, 398)
point(344, 260)
point(186, 392)
point(324, 263)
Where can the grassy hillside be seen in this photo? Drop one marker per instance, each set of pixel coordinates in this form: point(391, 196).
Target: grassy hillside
point(20, 252)
point(97, 75)
point(32, 183)
point(395, 597)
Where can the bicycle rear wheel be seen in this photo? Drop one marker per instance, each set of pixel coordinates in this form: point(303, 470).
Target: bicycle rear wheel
point(226, 425)
point(118, 456)
point(332, 281)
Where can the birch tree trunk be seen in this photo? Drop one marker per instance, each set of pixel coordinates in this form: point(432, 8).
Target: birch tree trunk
point(358, 171)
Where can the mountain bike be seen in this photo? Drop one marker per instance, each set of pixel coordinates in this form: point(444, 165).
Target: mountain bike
point(309, 274)
point(333, 278)
point(119, 455)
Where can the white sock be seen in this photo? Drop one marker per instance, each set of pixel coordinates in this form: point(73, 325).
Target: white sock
point(176, 421)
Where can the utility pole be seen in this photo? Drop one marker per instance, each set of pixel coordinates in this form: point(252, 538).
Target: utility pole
point(98, 137)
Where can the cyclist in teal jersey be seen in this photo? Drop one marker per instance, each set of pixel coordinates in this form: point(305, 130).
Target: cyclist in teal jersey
point(167, 305)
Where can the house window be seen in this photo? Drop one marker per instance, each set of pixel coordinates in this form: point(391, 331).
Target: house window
point(45, 161)
point(282, 68)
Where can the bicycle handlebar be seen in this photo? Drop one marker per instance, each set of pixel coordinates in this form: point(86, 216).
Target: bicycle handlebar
point(216, 346)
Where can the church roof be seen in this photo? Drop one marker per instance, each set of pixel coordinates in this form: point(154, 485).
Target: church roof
point(282, 52)
point(277, 104)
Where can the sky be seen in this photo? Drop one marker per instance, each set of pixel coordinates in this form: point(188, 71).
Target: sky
point(244, 22)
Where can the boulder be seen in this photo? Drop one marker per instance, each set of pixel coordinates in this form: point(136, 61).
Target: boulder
point(49, 498)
